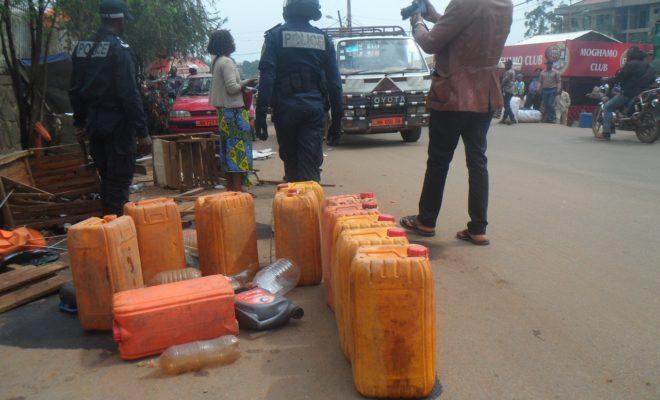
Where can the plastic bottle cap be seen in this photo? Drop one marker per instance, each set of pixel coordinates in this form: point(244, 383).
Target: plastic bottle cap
point(372, 205)
point(418, 251)
point(396, 232)
point(386, 218)
point(367, 195)
point(282, 186)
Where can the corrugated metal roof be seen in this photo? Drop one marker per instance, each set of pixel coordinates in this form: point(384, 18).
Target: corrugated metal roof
point(562, 37)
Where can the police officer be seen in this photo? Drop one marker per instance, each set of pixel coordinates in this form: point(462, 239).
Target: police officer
point(107, 105)
point(299, 80)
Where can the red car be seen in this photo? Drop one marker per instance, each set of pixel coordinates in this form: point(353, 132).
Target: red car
point(191, 112)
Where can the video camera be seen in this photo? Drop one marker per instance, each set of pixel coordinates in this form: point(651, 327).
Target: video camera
point(417, 7)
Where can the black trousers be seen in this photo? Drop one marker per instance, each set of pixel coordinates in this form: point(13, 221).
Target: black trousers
point(445, 130)
point(508, 112)
point(300, 137)
point(113, 149)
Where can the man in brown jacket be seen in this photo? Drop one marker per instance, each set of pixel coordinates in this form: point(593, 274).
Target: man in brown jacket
point(467, 42)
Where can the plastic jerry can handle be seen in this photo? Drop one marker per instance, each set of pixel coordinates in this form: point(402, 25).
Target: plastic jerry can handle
point(282, 186)
point(118, 333)
point(372, 205)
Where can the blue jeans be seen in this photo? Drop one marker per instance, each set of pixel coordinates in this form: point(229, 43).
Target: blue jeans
point(549, 105)
point(617, 102)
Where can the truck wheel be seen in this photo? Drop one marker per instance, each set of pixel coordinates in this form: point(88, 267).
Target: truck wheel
point(411, 135)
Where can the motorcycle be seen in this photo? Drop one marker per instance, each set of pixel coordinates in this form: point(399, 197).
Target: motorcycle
point(642, 116)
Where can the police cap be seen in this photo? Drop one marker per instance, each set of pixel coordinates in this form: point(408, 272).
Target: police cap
point(114, 9)
point(303, 8)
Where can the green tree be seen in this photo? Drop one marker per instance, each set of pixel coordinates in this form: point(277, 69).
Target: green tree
point(249, 69)
point(42, 19)
point(160, 28)
point(542, 20)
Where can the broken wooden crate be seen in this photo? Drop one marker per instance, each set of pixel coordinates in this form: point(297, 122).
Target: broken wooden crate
point(47, 191)
point(186, 162)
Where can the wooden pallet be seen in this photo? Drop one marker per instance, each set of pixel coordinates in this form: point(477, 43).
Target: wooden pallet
point(26, 284)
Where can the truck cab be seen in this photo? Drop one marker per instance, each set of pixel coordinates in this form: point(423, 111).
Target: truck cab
point(385, 80)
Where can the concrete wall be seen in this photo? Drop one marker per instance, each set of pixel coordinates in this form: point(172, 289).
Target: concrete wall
point(9, 131)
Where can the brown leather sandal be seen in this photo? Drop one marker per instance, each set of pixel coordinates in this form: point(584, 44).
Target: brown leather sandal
point(466, 236)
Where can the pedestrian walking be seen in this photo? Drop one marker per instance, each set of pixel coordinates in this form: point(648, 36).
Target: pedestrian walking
point(107, 105)
point(299, 79)
point(533, 100)
point(508, 89)
point(551, 87)
point(464, 93)
point(226, 95)
point(562, 105)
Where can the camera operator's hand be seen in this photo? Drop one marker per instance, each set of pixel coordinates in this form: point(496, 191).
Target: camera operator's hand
point(415, 19)
point(431, 14)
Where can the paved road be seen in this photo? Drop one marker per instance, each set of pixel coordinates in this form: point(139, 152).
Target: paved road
point(563, 305)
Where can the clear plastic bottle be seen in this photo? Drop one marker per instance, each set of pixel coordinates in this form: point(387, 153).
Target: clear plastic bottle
point(175, 275)
point(279, 278)
point(197, 355)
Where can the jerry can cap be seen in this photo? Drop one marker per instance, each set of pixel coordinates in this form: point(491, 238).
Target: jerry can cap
point(372, 205)
point(386, 218)
point(418, 251)
point(396, 232)
point(110, 218)
point(367, 195)
point(294, 191)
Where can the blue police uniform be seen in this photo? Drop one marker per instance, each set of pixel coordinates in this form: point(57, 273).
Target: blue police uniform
point(299, 79)
point(107, 103)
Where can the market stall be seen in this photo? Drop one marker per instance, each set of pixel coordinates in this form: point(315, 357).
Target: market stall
point(582, 59)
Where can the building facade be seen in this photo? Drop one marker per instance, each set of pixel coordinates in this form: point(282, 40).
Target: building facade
point(635, 21)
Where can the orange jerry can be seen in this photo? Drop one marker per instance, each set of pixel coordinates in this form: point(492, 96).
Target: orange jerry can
point(348, 244)
point(148, 321)
point(297, 233)
point(160, 235)
point(392, 322)
point(305, 186)
point(345, 222)
point(329, 219)
point(226, 233)
point(105, 259)
point(343, 199)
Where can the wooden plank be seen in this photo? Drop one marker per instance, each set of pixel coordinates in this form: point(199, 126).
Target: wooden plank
point(49, 223)
point(17, 171)
point(24, 188)
point(57, 208)
point(189, 193)
point(7, 217)
point(11, 157)
point(19, 277)
point(173, 166)
point(30, 293)
point(186, 165)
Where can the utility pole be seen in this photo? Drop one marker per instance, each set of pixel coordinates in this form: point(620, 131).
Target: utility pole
point(341, 22)
point(349, 15)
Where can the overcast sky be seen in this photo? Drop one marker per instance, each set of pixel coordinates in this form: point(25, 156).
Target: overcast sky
point(248, 19)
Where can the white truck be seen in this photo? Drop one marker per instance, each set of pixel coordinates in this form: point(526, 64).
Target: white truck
point(385, 79)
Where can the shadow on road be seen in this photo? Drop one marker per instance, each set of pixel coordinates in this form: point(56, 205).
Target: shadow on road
point(41, 325)
point(358, 142)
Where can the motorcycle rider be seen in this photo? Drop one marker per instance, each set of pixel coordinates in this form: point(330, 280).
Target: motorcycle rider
point(636, 76)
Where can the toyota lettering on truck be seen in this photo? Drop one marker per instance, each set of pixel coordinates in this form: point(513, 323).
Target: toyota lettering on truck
point(385, 80)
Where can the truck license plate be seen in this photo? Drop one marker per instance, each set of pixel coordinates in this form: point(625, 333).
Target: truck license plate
point(394, 121)
point(207, 122)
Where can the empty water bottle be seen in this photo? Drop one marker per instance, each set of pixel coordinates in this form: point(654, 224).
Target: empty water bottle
point(279, 278)
point(197, 355)
point(175, 275)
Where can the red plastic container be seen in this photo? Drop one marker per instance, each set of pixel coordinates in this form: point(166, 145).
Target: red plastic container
point(150, 320)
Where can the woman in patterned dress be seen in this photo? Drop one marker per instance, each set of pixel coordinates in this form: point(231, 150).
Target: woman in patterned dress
point(226, 96)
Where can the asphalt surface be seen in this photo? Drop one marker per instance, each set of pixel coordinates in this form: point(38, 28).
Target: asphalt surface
point(565, 304)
